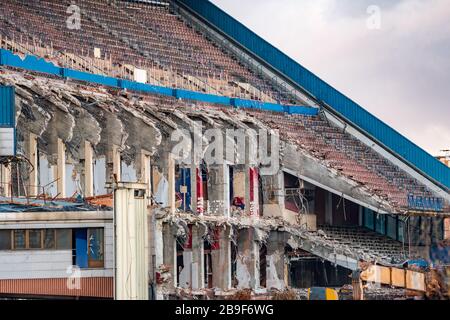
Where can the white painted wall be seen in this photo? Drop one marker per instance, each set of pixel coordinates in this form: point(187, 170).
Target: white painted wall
point(128, 173)
point(46, 176)
point(37, 264)
point(72, 180)
point(100, 176)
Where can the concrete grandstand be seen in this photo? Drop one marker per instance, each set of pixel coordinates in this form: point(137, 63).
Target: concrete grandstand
point(97, 92)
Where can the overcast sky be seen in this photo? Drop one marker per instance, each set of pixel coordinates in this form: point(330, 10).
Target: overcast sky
point(400, 71)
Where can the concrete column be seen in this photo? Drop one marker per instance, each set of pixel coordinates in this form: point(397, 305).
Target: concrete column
point(61, 170)
point(170, 252)
point(360, 215)
point(275, 268)
point(143, 166)
point(273, 190)
point(88, 170)
point(33, 182)
point(221, 260)
point(156, 251)
point(186, 274)
point(253, 191)
point(198, 257)
point(329, 208)
point(113, 165)
point(247, 267)
point(117, 163)
point(171, 181)
point(219, 190)
point(6, 180)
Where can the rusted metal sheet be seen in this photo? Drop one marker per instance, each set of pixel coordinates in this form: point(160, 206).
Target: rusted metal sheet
point(95, 287)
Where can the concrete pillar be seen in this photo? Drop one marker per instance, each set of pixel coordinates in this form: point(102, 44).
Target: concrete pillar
point(88, 170)
point(113, 165)
point(360, 215)
point(6, 180)
point(117, 163)
point(221, 259)
point(198, 257)
point(219, 190)
point(247, 264)
point(253, 191)
point(275, 259)
point(329, 208)
point(171, 181)
point(144, 169)
point(186, 274)
point(61, 170)
point(273, 191)
point(170, 251)
point(156, 251)
point(33, 188)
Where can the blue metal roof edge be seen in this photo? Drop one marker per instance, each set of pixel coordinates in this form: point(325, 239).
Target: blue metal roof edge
point(7, 58)
point(398, 144)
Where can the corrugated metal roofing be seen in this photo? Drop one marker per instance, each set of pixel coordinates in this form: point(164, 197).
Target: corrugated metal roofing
point(7, 107)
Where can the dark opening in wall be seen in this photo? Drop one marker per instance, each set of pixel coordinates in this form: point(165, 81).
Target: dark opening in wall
point(345, 212)
point(234, 251)
point(208, 265)
point(262, 266)
point(183, 188)
point(180, 260)
point(299, 194)
point(204, 170)
point(308, 271)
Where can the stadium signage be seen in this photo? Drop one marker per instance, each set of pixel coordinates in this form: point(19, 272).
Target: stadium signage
point(425, 203)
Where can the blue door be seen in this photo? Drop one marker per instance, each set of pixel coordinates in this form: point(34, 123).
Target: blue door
point(184, 179)
point(81, 248)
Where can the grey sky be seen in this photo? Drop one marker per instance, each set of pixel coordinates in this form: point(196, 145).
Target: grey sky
point(400, 73)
